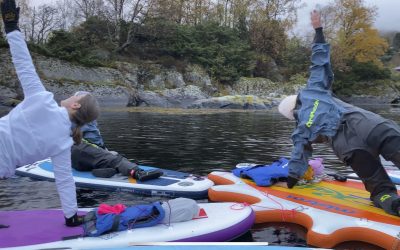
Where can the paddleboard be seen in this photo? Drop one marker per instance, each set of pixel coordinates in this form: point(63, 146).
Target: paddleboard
point(214, 246)
point(171, 184)
point(332, 211)
point(45, 229)
point(394, 174)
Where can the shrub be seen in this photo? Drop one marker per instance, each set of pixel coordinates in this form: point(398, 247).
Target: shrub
point(66, 46)
point(220, 50)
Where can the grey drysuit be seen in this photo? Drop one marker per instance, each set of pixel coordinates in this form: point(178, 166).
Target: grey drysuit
point(349, 130)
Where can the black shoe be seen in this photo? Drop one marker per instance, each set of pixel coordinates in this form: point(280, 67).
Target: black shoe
point(104, 172)
point(142, 175)
point(396, 206)
point(389, 202)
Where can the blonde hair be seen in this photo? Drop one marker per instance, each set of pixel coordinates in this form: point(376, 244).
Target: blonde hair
point(88, 112)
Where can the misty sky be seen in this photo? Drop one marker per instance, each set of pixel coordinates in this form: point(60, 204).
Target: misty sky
point(388, 18)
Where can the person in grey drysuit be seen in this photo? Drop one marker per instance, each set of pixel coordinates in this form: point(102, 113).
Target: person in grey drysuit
point(357, 136)
point(92, 155)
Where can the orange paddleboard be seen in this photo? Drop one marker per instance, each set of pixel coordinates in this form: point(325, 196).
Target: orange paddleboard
point(332, 211)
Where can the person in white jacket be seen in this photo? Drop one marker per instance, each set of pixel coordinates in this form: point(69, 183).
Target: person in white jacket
point(38, 127)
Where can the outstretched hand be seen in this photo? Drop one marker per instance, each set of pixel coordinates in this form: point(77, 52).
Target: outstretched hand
point(74, 221)
point(316, 19)
point(10, 15)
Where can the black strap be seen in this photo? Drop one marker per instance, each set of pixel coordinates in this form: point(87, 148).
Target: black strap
point(338, 177)
point(72, 237)
point(115, 224)
point(4, 226)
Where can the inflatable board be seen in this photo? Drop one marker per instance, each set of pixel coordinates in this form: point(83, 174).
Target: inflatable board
point(171, 184)
point(394, 174)
point(45, 229)
point(332, 211)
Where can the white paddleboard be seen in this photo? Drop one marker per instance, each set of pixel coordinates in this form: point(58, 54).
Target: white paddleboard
point(45, 229)
point(171, 184)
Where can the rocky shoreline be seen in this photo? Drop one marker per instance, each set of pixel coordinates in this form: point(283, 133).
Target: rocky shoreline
point(151, 85)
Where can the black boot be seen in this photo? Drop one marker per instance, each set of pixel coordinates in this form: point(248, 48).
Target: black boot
point(389, 202)
point(142, 175)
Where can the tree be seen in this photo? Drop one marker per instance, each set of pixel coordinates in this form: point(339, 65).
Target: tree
point(26, 23)
point(355, 40)
point(396, 42)
point(65, 13)
point(1, 31)
point(138, 14)
point(283, 11)
point(296, 57)
point(88, 8)
point(47, 20)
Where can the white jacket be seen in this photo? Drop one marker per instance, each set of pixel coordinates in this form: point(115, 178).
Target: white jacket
point(37, 128)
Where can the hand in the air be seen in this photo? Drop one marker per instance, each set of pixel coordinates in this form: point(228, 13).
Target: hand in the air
point(10, 15)
point(316, 19)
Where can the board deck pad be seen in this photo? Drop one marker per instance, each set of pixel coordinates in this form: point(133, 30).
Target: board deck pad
point(24, 228)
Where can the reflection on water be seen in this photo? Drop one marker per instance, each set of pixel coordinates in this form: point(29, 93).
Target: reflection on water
point(190, 142)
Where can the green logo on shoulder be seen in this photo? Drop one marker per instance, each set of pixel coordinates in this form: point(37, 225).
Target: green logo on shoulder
point(312, 114)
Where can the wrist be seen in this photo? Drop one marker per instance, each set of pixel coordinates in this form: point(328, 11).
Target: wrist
point(10, 27)
point(319, 35)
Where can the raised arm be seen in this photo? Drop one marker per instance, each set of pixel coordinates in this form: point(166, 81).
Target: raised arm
point(321, 75)
point(22, 60)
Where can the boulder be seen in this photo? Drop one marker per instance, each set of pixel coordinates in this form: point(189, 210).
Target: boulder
point(233, 102)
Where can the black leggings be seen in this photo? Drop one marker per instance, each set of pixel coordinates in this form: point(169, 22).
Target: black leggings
point(86, 157)
point(371, 172)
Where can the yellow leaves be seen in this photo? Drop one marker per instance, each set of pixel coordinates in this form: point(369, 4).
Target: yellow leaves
point(367, 46)
point(355, 38)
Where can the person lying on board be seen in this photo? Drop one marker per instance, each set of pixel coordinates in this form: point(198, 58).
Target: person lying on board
point(92, 155)
point(357, 136)
point(38, 127)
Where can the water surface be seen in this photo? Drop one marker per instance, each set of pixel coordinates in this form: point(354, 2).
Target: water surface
point(191, 141)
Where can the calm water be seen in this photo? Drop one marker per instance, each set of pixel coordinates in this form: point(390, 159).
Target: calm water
point(196, 143)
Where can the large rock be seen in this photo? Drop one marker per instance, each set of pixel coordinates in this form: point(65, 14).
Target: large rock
point(263, 87)
point(177, 98)
point(195, 75)
point(233, 102)
point(54, 69)
point(155, 77)
point(107, 95)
